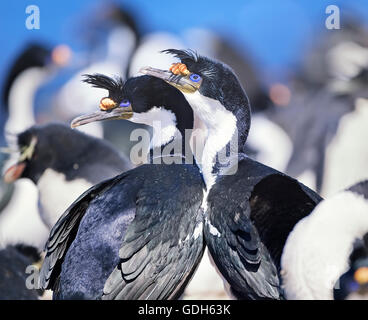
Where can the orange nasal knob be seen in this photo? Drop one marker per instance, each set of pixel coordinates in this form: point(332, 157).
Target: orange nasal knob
point(107, 104)
point(361, 275)
point(179, 69)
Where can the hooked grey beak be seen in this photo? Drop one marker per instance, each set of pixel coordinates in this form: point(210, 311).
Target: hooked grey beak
point(113, 114)
point(183, 83)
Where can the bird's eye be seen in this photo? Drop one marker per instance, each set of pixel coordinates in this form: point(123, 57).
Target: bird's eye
point(125, 103)
point(195, 77)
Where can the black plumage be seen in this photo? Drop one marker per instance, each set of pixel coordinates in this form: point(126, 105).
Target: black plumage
point(115, 87)
point(70, 152)
point(254, 211)
point(250, 211)
point(13, 276)
point(138, 235)
point(347, 283)
point(63, 163)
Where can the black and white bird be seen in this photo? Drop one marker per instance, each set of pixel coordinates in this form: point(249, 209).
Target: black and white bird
point(326, 102)
point(19, 219)
point(120, 36)
point(353, 284)
point(63, 163)
point(250, 208)
point(140, 234)
point(35, 65)
point(326, 254)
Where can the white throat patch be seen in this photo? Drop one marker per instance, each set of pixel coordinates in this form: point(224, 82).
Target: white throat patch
point(162, 121)
point(221, 128)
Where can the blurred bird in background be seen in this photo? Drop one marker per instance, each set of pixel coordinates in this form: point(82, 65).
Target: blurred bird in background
point(326, 254)
point(307, 88)
point(20, 221)
point(325, 117)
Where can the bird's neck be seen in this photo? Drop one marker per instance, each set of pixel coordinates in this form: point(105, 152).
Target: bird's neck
point(167, 140)
point(21, 99)
point(222, 135)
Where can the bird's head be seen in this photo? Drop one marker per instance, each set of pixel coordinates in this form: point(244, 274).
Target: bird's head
point(116, 105)
point(35, 55)
point(208, 86)
point(54, 146)
point(206, 77)
point(26, 155)
point(215, 94)
point(143, 100)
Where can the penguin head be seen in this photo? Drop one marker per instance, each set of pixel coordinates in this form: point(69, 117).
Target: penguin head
point(53, 145)
point(35, 55)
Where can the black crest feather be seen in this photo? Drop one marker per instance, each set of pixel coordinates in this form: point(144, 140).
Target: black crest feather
point(114, 86)
point(183, 55)
point(195, 62)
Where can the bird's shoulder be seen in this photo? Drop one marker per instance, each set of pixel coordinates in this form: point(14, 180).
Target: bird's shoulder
point(253, 211)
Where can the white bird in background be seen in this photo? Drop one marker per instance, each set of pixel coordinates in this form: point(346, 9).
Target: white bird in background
point(273, 144)
point(149, 51)
point(19, 220)
point(349, 62)
point(76, 98)
point(324, 118)
point(318, 250)
point(346, 160)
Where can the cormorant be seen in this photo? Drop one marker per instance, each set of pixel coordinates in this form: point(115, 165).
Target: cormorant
point(250, 208)
point(138, 235)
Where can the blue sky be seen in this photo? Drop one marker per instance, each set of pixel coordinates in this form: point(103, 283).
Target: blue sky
point(275, 32)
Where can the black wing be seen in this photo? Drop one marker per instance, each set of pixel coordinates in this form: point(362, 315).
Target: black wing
point(164, 243)
point(250, 215)
point(64, 232)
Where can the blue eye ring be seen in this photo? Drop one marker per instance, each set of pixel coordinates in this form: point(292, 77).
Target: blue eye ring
point(125, 103)
point(195, 77)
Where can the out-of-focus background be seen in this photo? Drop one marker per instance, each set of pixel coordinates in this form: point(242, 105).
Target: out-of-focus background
point(275, 33)
point(281, 50)
point(307, 84)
